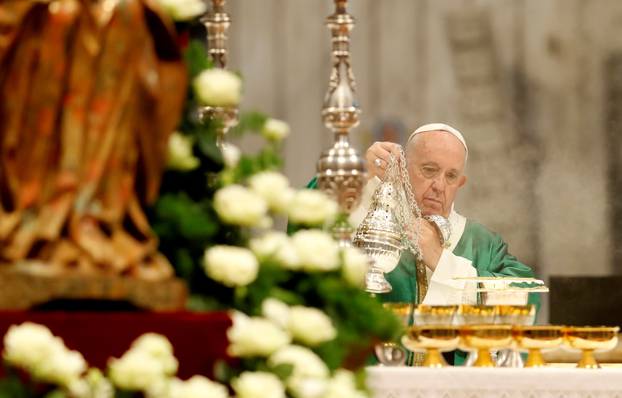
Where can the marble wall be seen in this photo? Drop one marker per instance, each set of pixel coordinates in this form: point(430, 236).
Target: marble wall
point(535, 86)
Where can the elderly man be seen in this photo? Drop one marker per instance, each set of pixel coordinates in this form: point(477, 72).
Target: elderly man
point(436, 156)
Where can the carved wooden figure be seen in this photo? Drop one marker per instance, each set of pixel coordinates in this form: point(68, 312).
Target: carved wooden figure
point(90, 92)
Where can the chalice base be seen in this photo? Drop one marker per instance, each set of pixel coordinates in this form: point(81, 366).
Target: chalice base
point(433, 359)
point(587, 360)
point(484, 359)
point(535, 359)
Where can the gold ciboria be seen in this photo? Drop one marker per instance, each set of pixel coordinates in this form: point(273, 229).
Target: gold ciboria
point(340, 169)
point(217, 23)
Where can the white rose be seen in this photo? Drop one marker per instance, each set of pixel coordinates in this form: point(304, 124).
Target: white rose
point(63, 367)
point(230, 265)
point(180, 155)
point(183, 10)
point(268, 244)
point(317, 250)
point(308, 378)
point(218, 87)
point(93, 385)
point(310, 325)
point(80, 389)
point(276, 311)
point(254, 336)
point(240, 206)
point(159, 348)
point(274, 188)
point(355, 264)
point(230, 155)
point(197, 387)
point(136, 371)
point(308, 387)
point(342, 385)
point(306, 363)
point(274, 129)
point(29, 344)
point(312, 207)
point(277, 246)
point(258, 385)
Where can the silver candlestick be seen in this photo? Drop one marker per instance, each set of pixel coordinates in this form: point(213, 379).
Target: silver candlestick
point(217, 23)
point(340, 169)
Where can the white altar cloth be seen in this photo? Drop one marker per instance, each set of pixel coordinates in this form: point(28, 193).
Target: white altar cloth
point(461, 382)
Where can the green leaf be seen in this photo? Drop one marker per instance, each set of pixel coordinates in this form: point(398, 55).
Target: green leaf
point(287, 296)
point(201, 303)
point(184, 264)
point(12, 387)
point(207, 141)
point(249, 122)
point(282, 371)
point(56, 394)
point(196, 58)
point(223, 372)
point(125, 394)
point(180, 215)
point(240, 293)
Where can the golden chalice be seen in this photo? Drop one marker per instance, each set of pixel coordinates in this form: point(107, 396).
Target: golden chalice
point(536, 338)
point(433, 339)
point(401, 310)
point(589, 339)
point(484, 338)
point(472, 314)
point(434, 314)
point(516, 314)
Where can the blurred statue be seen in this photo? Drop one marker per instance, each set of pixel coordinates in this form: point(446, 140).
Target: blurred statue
point(91, 90)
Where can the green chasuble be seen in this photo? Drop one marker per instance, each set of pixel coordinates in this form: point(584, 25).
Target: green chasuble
point(485, 249)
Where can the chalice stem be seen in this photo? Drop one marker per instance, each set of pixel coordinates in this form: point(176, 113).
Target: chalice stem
point(434, 359)
point(535, 359)
point(587, 360)
point(484, 360)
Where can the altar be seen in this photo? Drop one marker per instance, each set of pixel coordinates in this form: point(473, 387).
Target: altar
point(462, 382)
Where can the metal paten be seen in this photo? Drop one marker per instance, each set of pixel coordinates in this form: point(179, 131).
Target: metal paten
point(340, 169)
point(217, 23)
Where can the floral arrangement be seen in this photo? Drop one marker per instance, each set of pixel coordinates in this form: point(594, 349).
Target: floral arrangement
point(39, 364)
point(300, 315)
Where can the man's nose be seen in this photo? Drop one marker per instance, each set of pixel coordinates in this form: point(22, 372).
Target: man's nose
point(438, 183)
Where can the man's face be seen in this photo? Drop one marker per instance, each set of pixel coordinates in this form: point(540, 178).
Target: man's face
point(436, 168)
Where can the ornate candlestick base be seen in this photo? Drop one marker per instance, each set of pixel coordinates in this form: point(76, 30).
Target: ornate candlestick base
point(340, 169)
point(227, 117)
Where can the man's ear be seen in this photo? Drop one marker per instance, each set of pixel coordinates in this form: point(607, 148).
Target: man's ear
point(463, 180)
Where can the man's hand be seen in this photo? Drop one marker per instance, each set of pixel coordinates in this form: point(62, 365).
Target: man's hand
point(430, 244)
point(378, 156)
